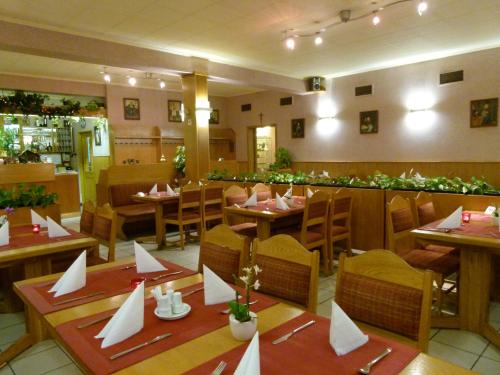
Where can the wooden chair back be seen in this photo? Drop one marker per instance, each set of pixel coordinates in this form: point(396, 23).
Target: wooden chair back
point(381, 289)
point(315, 215)
point(234, 195)
point(87, 218)
point(289, 271)
point(341, 208)
point(224, 252)
point(423, 209)
point(263, 191)
point(213, 202)
point(104, 230)
point(399, 224)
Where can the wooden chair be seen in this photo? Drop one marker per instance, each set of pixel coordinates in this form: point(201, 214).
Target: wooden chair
point(238, 195)
point(380, 289)
point(188, 211)
point(87, 218)
point(339, 221)
point(289, 271)
point(104, 230)
point(263, 191)
point(224, 252)
point(213, 203)
point(399, 225)
point(313, 231)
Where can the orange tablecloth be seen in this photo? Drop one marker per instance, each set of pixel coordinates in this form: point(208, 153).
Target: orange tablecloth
point(112, 281)
point(200, 321)
point(23, 236)
point(480, 225)
point(309, 352)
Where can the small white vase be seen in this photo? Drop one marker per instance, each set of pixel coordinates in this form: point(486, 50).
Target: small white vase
point(243, 331)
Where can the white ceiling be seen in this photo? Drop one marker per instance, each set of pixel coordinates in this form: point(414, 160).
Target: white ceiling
point(247, 33)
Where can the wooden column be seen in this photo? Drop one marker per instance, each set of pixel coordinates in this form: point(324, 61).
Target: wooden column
point(196, 139)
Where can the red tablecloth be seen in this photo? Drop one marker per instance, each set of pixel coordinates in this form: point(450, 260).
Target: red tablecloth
point(270, 205)
point(480, 225)
point(200, 321)
point(23, 236)
point(309, 352)
point(111, 281)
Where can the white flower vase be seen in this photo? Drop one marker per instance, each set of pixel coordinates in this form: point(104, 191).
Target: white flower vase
point(243, 331)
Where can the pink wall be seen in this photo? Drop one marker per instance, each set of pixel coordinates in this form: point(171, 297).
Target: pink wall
point(440, 134)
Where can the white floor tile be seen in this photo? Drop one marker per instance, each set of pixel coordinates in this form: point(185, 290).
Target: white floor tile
point(37, 348)
point(451, 354)
point(463, 340)
point(41, 362)
point(10, 319)
point(492, 352)
point(11, 333)
point(325, 309)
point(486, 366)
point(70, 369)
point(6, 371)
point(494, 312)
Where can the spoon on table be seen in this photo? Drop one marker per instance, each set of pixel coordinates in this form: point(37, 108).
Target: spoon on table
point(366, 370)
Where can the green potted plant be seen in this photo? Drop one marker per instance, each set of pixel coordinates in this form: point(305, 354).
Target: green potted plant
point(242, 321)
point(283, 160)
point(180, 160)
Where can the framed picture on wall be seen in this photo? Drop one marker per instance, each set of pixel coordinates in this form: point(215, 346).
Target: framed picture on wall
point(174, 111)
point(131, 109)
point(368, 122)
point(214, 117)
point(298, 127)
point(484, 112)
point(97, 136)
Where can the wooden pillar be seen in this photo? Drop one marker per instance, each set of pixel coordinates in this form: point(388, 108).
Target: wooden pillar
point(196, 137)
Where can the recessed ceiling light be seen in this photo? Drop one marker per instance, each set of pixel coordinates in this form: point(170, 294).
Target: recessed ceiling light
point(107, 78)
point(375, 20)
point(318, 40)
point(132, 81)
point(422, 7)
point(162, 84)
point(290, 43)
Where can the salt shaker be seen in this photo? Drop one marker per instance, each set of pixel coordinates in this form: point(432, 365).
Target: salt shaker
point(177, 303)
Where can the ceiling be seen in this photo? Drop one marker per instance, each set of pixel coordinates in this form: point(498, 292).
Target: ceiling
point(248, 33)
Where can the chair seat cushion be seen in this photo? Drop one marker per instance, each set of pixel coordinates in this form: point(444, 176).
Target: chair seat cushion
point(440, 263)
point(443, 249)
point(135, 210)
point(310, 236)
point(246, 229)
point(337, 230)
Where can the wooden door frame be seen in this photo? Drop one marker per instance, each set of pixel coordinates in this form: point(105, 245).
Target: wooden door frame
point(252, 145)
point(81, 162)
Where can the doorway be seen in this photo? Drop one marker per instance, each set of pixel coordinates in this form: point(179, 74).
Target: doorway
point(86, 166)
point(261, 147)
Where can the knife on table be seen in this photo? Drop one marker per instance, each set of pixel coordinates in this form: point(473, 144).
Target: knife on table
point(288, 335)
point(134, 348)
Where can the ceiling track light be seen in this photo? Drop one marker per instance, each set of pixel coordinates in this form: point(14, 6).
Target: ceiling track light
point(345, 16)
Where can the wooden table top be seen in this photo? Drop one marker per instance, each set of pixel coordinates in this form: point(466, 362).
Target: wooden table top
point(202, 349)
point(262, 213)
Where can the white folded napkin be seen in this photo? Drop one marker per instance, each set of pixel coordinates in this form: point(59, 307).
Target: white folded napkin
point(154, 189)
point(289, 193)
point(309, 193)
point(252, 201)
point(403, 175)
point(280, 203)
point(345, 336)
point(55, 230)
point(419, 177)
point(127, 321)
point(74, 278)
point(37, 219)
point(145, 262)
point(4, 234)
point(489, 210)
point(250, 362)
point(216, 289)
point(170, 192)
point(325, 174)
point(200, 184)
point(312, 173)
point(453, 221)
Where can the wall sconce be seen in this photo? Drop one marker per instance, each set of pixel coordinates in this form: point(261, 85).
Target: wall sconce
point(203, 111)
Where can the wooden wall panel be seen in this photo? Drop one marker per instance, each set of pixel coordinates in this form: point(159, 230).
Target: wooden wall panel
point(19, 173)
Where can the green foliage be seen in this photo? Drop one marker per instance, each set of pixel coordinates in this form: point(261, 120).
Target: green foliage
point(7, 139)
point(22, 196)
point(216, 175)
point(180, 159)
point(283, 159)
point(240, 311)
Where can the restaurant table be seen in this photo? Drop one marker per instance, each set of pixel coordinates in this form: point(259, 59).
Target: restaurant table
point(477, 240)
point(158, 199)
point(265, 213)
point(200, 350)
point(35, 252)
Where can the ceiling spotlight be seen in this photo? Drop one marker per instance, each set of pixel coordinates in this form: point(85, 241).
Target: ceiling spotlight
point(107, 78)
point(162, 84)
point(375, 20)
point(290, 43)
point(318, 40)
point(422, 7)
point(132, 81)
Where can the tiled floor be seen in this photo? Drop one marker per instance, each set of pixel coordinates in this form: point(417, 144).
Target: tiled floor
point(463, 348)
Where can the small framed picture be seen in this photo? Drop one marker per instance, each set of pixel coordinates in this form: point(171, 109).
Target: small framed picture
point(131, 109)
point(97, 136)
point(214, 117)
point(368, 122)
point(298, 127)
point(484, 112)
point(174, 111)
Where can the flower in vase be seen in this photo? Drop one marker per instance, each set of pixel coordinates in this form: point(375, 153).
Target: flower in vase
point(241, 311)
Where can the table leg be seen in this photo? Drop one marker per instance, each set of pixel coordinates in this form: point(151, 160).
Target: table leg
point(160, 227)
point(475, 266)
point(263, 229)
